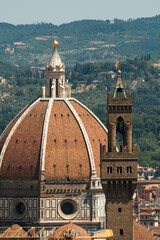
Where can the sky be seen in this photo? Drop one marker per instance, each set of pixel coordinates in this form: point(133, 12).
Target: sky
point(65, 11)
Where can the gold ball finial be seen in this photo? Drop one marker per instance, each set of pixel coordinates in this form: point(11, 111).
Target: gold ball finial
point(119, 71)
point(55, 43)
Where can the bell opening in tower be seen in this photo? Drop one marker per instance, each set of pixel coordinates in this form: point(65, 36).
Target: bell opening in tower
point(120, 133)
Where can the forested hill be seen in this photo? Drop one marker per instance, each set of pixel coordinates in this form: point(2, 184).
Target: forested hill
point(80, 41)
point(141, 77)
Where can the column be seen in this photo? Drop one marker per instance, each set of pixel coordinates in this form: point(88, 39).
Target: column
point(129, 136)
point(112, 136)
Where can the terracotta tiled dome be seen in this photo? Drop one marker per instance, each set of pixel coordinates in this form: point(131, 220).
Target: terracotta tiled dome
point(69, 229)
point(59, 136)
point(50, 158)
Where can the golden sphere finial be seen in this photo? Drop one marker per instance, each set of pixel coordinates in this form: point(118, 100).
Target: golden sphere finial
point(119, 71)
point(55, 43)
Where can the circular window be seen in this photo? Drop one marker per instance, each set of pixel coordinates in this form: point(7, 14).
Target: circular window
point(18, 208)
point(68, 209)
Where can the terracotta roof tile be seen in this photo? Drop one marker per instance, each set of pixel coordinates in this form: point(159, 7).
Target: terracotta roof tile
point(66, 152)
point(70, 227)
point(21, 159)
point(96, 133)
point(141, 233)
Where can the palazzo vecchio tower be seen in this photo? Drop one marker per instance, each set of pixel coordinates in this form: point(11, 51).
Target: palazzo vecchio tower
point(119, 166)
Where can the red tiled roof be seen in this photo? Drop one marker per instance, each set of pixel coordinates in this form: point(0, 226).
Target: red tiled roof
point(66, 152)
point(95, 132)
point(69, 228)
point(141, 233)
point(154, 181)
point(21, 158)
point(145, 214)
point(155, 230)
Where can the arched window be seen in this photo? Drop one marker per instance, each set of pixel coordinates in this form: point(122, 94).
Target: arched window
point(119, 209)
point(121, 231)
point(120, 133)
point(129, 169)
point(109, 170)
point(119, 169)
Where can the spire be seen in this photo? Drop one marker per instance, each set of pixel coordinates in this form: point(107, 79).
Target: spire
point(55, 61)
point(119, 84)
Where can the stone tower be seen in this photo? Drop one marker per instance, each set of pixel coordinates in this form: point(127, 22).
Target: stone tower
point(119, 166)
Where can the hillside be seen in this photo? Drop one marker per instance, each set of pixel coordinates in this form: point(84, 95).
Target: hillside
point(80, 41)
point(140, 77)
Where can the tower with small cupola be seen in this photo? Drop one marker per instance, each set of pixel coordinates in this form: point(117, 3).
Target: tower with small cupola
point(119, 164)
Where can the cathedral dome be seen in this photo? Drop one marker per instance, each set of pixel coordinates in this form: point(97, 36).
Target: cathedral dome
point(60, 137)
point(50, 158)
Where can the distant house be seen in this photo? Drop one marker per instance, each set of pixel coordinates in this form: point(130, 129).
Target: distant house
point(38, 71)
point(141, 79)
point(149, 192)
point(101, 76)
point(146, 173)
point(2, 80)
point(148, 219)
point(140, 173)
point(9, 50)
point(111, 21)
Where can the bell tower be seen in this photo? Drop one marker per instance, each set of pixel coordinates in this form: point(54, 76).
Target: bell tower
point(119, 164)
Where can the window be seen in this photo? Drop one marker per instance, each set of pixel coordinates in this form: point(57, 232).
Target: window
point(119, 210)
point(119, 169)
point(109, 170)
point(129, 169)
point(121, 231)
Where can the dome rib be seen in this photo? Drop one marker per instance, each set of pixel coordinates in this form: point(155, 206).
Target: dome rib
point(44, 136)
point(12, 121)
point(86, 138)
point(96, 131)
point(13, 130)
point(91, 114)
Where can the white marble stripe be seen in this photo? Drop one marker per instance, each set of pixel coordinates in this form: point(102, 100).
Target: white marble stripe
point(12, 122)
point(86, 138)
point(44, 135)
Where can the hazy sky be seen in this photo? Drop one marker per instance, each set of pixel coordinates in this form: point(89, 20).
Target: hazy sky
point(64, 11)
